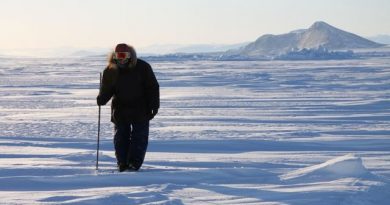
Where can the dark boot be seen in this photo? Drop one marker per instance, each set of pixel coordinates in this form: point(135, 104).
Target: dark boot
point(122, 167)
point(133, 168)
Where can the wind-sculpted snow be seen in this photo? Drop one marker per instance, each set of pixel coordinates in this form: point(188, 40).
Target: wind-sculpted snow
point(341, 167)
point(253, 132)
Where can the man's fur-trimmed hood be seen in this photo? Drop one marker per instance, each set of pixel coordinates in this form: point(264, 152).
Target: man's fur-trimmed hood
point(133, 59)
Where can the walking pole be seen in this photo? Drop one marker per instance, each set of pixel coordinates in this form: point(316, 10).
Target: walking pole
point(98, 136)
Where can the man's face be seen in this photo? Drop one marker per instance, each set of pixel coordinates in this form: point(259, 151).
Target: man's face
point(122, 57)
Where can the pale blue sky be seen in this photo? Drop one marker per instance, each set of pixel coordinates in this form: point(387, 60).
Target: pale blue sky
point(103, 23)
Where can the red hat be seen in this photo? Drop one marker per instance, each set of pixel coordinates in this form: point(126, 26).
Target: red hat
point(122, 47)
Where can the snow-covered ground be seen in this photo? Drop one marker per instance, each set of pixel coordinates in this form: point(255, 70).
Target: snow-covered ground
point(274, 132)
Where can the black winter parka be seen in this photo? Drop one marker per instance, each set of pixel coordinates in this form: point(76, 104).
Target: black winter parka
point(134, 91)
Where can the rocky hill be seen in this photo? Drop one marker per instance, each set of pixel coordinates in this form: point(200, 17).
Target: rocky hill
point(319, 34)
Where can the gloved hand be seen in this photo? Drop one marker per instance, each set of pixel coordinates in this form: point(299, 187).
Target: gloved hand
point(154, 113)
point(99, 101)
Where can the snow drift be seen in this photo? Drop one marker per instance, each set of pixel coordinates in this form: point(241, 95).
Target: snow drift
point(340, 167)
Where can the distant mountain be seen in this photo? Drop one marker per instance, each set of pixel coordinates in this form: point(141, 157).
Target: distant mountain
point(319, 34)
point(58, 52)
point(194, 48)
point(208, 48)
point(384, 39)
point(88, 53)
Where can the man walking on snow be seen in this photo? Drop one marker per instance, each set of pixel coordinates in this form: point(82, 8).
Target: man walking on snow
point(135, 101)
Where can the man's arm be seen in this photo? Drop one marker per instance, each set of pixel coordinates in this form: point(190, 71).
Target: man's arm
point(107, 87)
point(152, 90)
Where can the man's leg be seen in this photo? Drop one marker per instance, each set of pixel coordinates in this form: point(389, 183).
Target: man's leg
point(121, 143)
point(138, 144)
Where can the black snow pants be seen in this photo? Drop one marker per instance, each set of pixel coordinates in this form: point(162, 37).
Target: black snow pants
point(131, 142)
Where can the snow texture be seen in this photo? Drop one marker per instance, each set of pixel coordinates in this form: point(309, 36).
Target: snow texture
point(252, 132)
